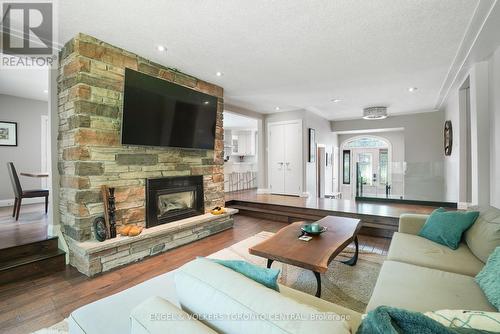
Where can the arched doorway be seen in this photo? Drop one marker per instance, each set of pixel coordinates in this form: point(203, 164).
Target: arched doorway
point(373, 155)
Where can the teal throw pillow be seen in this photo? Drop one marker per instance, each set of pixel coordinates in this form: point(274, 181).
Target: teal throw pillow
point(264, 276)
point(446, 227)
point(489, 278)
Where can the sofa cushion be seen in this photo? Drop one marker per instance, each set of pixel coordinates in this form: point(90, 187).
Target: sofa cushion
point(158, 316)
point(94, 318)
point(484, 236)
point(423, 289)
point(353, 318)
point(446, 227)
point(419, 251)
point(486, 321)
point(232, 303)
point(265, 276)
point(489, 278)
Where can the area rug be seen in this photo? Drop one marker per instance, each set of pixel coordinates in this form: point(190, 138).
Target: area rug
point(344, 285)
point(59, 328)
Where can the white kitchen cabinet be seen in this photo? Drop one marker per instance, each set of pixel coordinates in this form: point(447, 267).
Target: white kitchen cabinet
point(243, 142)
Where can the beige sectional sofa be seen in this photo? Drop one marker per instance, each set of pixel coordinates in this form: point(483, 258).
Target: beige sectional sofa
point(422, 275)
point(418, 275)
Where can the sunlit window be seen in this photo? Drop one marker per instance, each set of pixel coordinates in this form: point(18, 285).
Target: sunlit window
point(366, 168)
point(383, 160)
point(366, 142)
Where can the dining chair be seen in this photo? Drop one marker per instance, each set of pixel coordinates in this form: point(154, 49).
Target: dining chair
point(20, 193)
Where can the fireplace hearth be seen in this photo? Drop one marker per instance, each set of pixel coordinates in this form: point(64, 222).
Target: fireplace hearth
point(173, 198)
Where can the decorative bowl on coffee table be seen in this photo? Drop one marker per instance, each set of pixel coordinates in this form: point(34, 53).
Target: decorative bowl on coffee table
point(309, 229)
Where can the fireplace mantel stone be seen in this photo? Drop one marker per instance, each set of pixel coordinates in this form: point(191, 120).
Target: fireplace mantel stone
point(93, 257)
point(90, 100)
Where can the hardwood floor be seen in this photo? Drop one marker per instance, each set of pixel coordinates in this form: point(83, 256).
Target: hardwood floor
point(31, 226)
point(33, 304)
point(393, 210)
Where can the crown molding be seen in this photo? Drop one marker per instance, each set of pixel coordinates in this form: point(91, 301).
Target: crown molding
point(474, 29)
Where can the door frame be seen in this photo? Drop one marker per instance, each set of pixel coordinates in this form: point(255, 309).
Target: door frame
point(301, 155)
point(45, 149)
point(352, 184)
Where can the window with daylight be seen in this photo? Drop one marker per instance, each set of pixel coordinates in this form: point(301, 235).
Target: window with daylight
point(366, 168)
point(366, 142)
point(347, 167)
point(383, 161)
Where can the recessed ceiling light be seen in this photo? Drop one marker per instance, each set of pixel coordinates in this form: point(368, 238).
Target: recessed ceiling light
point(277, 108)
point(161, 48)
point(219, 74)
point(412, 89)
point(336, 100)
point(46, 91)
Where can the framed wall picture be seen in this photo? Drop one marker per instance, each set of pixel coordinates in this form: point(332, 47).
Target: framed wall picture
point(8, 133)
point(312, 145)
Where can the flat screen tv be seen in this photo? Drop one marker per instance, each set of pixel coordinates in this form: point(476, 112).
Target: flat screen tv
point(160, 113)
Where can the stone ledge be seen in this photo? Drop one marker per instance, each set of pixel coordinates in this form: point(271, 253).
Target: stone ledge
point(90, 247)
point(93, 257)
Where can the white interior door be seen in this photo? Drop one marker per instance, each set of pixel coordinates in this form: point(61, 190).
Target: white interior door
point(293, 158)
point(276, 158)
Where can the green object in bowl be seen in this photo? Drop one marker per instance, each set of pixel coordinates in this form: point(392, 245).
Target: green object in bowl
point(310, 229)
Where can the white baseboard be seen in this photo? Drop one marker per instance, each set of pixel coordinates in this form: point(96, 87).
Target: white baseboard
point(304, 194)
point(261, 191)
point(10, 202)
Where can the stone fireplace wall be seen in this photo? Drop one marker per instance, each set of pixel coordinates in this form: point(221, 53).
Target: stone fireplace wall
point(90, 90)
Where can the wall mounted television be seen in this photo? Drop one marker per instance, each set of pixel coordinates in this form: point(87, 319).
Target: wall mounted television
point(160, 113)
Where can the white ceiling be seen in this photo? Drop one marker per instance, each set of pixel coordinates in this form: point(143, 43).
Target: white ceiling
point(27, 83)
point(292, 54)
point(236, 121)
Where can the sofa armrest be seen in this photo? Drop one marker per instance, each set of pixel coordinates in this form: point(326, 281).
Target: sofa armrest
point(411, 223)
point(157, 315)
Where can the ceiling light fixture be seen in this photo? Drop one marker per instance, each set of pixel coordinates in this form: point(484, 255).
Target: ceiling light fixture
point(219, 74)
point(373, 113)
point(277, 108)
point(46, 91)
point(336, 100)
point(412, 89)
point(161, 48)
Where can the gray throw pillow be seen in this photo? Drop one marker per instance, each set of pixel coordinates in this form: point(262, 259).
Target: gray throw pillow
point(484, 236)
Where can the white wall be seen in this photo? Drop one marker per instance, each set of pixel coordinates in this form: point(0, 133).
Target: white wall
point(423, 147)
point(324, 135)
point(27, 155)
point(494, 93)
point(484, 80)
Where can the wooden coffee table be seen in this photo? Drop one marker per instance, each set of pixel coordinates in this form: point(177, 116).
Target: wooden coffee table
point(316, 254)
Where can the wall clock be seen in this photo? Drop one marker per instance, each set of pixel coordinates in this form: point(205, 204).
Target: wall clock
point(448, 138)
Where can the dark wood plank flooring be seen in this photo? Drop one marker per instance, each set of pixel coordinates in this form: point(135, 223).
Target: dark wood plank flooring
point(341, 205)
point(31, 226)
point(29, 305)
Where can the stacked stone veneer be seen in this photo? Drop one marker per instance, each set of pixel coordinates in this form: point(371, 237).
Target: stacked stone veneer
point(90, 93)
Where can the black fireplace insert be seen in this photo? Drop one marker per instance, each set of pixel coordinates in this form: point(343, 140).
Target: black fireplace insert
point(173, 198)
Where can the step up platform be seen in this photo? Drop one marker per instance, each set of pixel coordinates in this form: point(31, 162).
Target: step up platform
point(30, 260)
